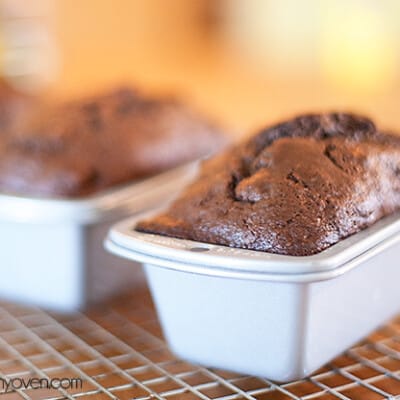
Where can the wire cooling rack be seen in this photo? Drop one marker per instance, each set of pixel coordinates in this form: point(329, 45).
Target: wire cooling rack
point(119, 353)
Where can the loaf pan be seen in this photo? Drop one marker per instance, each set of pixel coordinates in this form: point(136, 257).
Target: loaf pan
point(280, 317)
point(52, 251)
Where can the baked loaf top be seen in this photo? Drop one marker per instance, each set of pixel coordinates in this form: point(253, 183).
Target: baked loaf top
point(295, 188)
point(81, 147)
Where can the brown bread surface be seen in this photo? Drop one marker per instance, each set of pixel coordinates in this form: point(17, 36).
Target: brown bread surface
point(81, 147)
point(295, 188)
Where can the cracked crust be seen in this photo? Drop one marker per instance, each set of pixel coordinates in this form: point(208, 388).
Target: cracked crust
point(295, 188)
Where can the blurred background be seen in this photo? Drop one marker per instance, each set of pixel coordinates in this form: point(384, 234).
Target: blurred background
point(245, 62)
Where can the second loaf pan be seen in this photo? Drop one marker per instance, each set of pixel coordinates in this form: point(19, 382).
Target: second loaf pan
point(51, 250)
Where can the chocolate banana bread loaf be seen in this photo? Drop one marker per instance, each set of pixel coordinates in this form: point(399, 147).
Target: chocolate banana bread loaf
point(295, 188)
point(80, 147)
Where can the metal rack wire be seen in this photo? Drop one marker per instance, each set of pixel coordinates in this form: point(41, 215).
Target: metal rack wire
point(118, 352)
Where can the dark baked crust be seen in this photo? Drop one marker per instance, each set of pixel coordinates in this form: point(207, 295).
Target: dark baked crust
point(81, 147)
point(295, 188)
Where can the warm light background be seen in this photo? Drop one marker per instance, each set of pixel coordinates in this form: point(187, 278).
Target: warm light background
point(246, 62)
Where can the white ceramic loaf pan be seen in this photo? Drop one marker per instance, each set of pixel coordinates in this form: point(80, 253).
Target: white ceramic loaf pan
point(52, 251)
point(281, 317)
